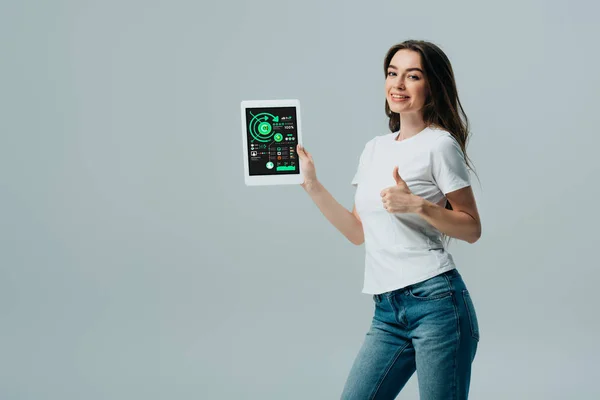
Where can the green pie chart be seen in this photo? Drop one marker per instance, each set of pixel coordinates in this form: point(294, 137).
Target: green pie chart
point(264, 128)
point(261, 127)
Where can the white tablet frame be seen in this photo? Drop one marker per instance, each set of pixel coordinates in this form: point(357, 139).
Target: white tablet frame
point(254, 180)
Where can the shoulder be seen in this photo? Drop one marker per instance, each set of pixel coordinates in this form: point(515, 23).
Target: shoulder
point(385, 137)
point(440, 135)
point(379, 140)
point(442, 140)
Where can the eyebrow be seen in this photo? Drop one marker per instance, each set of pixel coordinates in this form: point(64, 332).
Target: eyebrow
point(409, 69)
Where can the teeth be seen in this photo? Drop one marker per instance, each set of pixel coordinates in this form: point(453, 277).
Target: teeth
point(399, 97)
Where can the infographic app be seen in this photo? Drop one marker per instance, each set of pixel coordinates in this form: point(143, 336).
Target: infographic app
point(272, 139)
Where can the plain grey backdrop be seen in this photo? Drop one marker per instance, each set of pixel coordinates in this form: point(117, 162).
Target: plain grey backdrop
point(135, 263)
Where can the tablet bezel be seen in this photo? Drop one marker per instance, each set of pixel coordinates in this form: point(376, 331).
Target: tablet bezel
point(254, 180)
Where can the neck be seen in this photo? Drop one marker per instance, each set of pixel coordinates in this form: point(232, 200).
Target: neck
point(410, 125)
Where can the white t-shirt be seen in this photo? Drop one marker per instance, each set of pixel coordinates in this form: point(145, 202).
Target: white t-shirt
point(403, 249)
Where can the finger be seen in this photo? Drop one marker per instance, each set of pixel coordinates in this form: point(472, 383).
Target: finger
point(301, 151)
point(304, 152)
point(307, 153)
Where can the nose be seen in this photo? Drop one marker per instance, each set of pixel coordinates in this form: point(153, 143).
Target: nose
point(399, 83)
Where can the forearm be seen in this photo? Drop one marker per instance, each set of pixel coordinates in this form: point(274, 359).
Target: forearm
point(456, 224)
point(337, 214)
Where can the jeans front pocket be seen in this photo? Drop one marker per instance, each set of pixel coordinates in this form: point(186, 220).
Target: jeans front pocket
point(434, 288)
point(472, 314)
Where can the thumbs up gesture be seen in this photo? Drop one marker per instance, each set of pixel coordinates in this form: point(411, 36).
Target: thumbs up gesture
point(399, 198)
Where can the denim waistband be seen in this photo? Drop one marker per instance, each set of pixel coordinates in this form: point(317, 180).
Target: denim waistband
point(450, 274)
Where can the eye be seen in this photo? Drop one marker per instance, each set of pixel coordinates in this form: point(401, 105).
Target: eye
point(415, 77)
point(391, 73)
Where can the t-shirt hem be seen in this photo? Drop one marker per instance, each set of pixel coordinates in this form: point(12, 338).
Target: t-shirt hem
point(391, 288)
point(456, 187)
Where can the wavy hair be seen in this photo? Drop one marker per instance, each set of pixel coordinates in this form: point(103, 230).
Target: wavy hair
point(442, 107)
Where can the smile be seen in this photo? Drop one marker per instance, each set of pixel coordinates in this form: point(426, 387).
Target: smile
point(397, 97)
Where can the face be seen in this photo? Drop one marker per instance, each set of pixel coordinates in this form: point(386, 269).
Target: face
point(405, 87)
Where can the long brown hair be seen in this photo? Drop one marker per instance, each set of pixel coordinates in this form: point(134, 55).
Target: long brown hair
point(442, 107)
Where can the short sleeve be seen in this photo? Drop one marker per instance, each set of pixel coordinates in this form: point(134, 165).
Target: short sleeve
point(448, 167)
point(363, 162)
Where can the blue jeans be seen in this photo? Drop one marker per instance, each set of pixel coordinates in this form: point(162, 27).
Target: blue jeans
point(430, 327)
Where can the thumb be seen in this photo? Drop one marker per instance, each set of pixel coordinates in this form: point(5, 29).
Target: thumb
point(304, 152)
point(397, 177)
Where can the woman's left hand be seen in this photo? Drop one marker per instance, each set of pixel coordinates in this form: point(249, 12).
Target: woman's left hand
point(399, 198)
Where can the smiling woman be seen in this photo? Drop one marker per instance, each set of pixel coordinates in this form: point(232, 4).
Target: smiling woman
point(413, 190)
point(421, 91)
point(405, 87)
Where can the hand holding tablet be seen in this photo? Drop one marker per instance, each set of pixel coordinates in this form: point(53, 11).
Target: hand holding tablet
point(270, 136)
point(308, 167)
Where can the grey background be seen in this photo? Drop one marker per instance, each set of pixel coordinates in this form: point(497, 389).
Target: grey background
point(135, 263)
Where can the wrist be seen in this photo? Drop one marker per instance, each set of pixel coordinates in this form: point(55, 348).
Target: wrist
point(421, 205)
point(311, 186)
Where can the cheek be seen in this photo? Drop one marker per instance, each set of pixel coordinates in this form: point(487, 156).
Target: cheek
point(387, 85)
point(420, 92)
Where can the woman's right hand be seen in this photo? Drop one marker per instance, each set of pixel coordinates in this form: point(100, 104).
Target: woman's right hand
point(307, 165)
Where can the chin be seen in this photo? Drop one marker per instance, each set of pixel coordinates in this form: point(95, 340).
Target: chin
point(398, 109)
point(404, 108)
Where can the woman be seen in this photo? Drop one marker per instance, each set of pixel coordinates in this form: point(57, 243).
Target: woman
point(413, 190)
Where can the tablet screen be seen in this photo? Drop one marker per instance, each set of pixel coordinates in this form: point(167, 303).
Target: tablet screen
point(272, 134)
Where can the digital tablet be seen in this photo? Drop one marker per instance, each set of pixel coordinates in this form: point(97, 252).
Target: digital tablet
point(270, 135)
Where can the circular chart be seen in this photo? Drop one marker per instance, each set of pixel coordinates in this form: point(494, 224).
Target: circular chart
point(261, 128)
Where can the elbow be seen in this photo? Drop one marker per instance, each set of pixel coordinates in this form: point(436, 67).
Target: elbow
point(358, 239)
point(357, 236)
point(476, 236)
point(473, 240)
